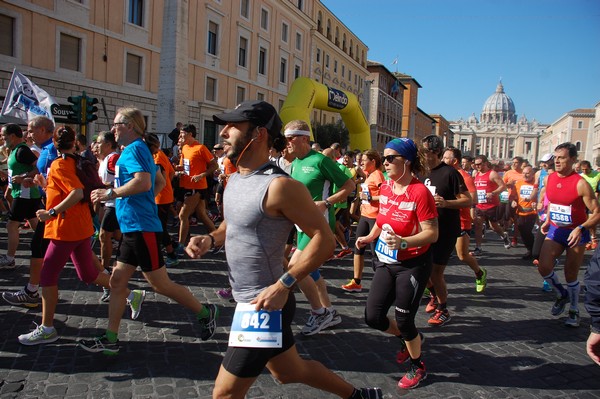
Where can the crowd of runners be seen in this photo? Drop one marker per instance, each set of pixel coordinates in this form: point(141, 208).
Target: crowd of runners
point(280, 207)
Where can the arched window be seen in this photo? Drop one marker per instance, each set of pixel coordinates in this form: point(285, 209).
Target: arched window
point(319, 22)
point(328, 29)
point(337, 36)
point(578, 145)
point(344, 43)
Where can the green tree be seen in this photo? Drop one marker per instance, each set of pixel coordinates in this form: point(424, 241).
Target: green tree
point(329, 133)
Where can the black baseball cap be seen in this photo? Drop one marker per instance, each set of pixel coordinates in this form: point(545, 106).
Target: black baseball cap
point(260, 113)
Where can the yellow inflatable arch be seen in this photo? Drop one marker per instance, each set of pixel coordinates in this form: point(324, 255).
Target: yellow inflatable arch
point(306, 94)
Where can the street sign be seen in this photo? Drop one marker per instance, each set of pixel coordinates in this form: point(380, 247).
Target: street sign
point(63, 113)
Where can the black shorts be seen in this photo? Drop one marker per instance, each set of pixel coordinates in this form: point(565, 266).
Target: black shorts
point(292, 236)
point(188, 192)
point(488, 214)
point(442, 248)
point(24, 209)
point(39, 244)
point(143, 249)
point(250, 362)
point(365, 225)
point(109, 221)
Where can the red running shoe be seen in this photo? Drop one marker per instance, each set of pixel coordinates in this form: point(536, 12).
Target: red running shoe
point(413, 377)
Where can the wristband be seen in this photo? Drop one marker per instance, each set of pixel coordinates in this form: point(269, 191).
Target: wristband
point(327, 204)
point(212, 241)
point(580, 227)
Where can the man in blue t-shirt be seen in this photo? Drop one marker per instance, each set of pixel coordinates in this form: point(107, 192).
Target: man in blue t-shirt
point(134, 192)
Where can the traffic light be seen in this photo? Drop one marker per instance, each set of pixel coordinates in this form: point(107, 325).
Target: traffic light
point(90, 109)
point(76, 113)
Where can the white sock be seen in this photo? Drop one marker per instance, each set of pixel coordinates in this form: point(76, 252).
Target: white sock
point(573, 289)
point(33, 288)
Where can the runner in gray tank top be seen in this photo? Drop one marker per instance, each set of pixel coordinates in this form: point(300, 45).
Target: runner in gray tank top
point(261, 203)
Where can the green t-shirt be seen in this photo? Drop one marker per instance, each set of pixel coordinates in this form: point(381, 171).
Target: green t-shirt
point(593, 179)
point(319, 174)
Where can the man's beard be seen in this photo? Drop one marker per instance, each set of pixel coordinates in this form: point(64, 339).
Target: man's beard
point(238, 147)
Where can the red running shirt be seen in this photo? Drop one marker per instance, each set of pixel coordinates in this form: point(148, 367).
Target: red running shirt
point(566, 207)
point(404, 212)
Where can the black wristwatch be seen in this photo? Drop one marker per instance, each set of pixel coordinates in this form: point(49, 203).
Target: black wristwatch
point(327, 204)
point(52, 212)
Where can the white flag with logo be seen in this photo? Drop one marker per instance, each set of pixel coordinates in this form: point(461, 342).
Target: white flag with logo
point(25, 100)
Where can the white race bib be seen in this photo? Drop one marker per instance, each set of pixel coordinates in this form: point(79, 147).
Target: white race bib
point(526, 191)
point(560, 215)
point(481, 197)
point(186, 166)
point(252, 329)
point(384, 253)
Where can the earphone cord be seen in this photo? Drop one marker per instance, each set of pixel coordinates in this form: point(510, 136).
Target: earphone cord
point(243, 151)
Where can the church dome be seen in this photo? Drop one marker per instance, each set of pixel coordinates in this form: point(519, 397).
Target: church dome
point(498, 108)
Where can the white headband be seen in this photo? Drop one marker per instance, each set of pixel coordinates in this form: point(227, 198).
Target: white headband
point(289, 133)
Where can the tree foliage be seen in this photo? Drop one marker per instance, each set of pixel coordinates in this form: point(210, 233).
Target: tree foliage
point(329, 133)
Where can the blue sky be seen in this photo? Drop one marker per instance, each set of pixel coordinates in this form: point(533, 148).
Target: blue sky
point(547, 52)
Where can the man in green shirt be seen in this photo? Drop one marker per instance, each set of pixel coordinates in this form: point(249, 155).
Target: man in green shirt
point(593, 178)
point(25, 193)
point(319, 174)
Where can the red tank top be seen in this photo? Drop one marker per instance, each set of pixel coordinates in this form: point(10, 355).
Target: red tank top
point(484, 185)
point(566, 207)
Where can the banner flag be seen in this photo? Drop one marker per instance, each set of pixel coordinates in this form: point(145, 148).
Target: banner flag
point(25, 100)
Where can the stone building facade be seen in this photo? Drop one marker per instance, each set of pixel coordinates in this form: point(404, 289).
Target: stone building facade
point(498, 133)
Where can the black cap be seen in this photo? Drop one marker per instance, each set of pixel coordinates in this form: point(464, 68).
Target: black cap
point(434, 143)
point(260, 113)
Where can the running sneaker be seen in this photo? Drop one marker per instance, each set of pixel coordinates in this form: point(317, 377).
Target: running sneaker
point(105, 295)
point(546, 287)
point(559, 305)
point(335, 320)
point(225, 293)
point(588, 246)
point(572, 319)
point(426, 293)
point(439, 318)
point(22, 297)
point(7, 263)
point(343, 253)
point(506, 240)
point(368, 393)
point(431, 305)
point(402, 355)
point(352, 286)
point(476, 252)
point(594, 244)
point(100, 345)
point(536, 262)
point(171, 262)
point(136, 303)
point(481, 283)
point(413, 377)
point(38, 336)
point(208, 325)
point(179, 249)
point(316, 322)
point(514, 243)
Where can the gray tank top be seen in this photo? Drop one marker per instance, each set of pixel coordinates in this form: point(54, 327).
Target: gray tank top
point(254, 241)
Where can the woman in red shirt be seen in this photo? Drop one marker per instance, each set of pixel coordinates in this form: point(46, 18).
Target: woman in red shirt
point(405, 227)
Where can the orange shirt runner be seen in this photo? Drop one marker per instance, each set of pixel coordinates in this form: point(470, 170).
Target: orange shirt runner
point(75, 223)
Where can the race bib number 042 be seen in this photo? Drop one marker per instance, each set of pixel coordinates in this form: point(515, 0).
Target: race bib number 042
point(252, 329)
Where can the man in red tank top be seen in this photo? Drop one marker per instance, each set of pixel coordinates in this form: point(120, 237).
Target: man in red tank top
point(566, 227)
point(489, 185)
